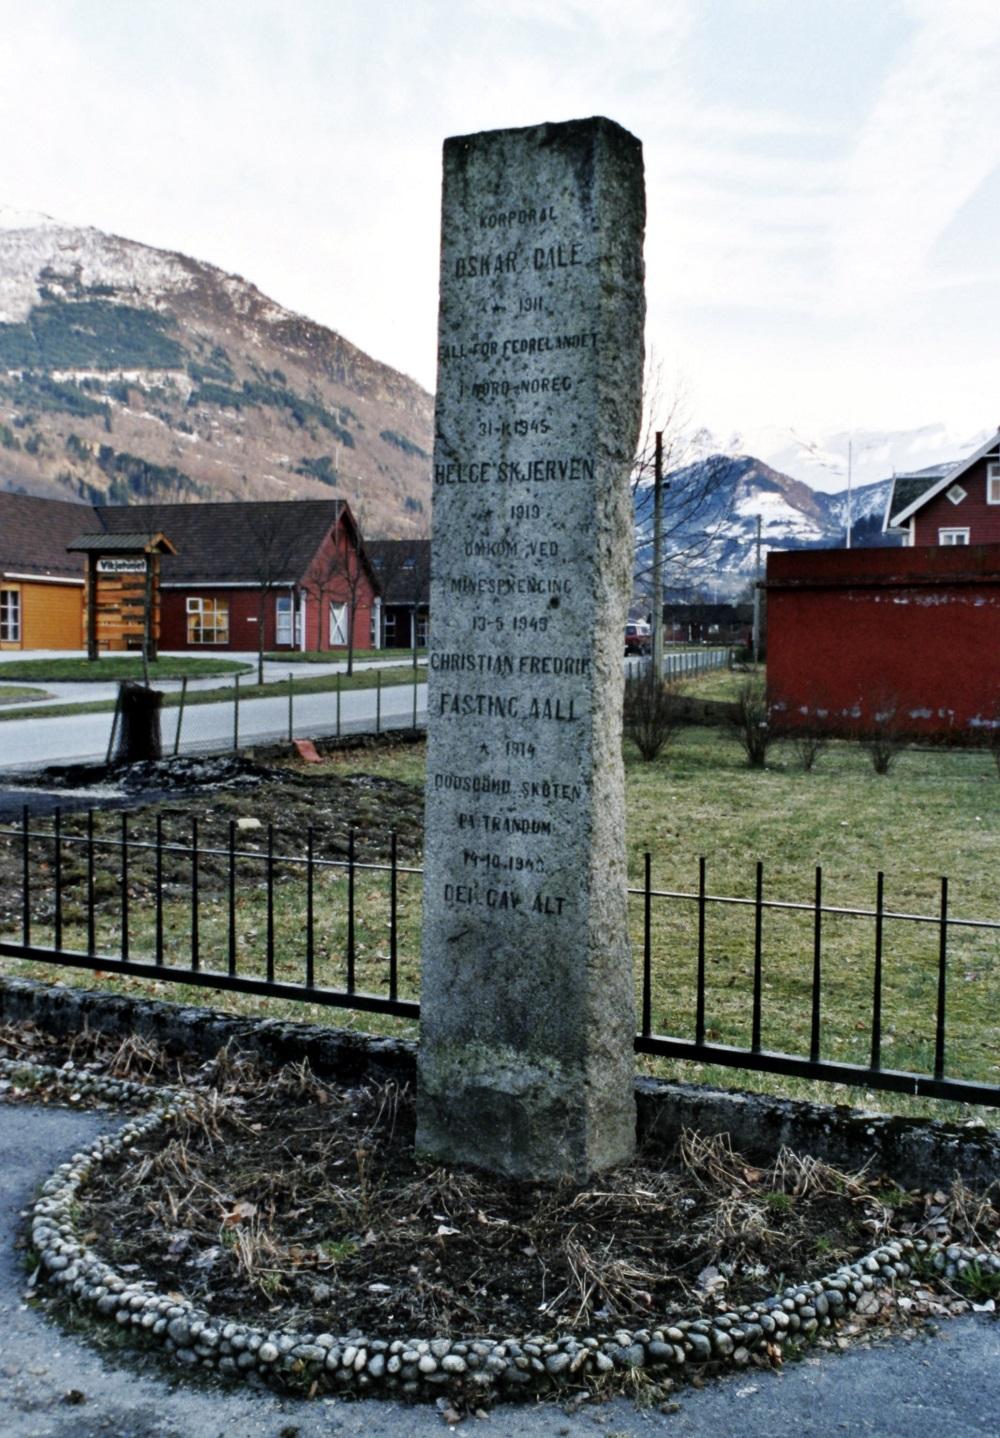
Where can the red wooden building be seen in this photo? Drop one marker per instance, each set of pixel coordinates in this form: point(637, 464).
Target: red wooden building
point(957, 506)
point(907, 636)
point(297, 566)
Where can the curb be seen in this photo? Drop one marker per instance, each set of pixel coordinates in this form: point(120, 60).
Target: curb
point(420, 1368)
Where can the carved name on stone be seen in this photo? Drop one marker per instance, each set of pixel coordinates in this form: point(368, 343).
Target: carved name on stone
point(526, 1046)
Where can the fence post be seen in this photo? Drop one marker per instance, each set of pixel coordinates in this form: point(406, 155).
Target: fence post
point(25, 880)
point(338, 703)
point(114, 725)
point(378, 701)
point(414, 696)
point(291, 720)
point(942, 983)
point(236, 712)
point(180, 714)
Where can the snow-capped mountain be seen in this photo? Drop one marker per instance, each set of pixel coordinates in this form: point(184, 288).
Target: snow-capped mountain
point(132, 373)
point(710, 521)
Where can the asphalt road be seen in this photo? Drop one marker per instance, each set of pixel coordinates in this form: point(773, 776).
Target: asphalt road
point(29, 744)
point(921, 1388)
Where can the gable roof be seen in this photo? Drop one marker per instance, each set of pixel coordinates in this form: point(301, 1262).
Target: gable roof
point(35, 533)
point(232, 542)
point(908, 504)
point(121, 544)
point(222, 542)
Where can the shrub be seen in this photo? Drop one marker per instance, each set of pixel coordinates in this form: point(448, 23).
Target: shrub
point(885, 740)
point(651, 713)
point(748, 719)
point(808, 745)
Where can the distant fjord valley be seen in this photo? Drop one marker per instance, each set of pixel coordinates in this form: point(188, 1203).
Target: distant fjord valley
point(130, 374)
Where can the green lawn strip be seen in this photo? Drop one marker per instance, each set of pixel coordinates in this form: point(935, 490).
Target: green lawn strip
point(327, 656)
point(934, 814)
point(278, 689)
point(10, 694)
point(104, 671)
point(722, 684)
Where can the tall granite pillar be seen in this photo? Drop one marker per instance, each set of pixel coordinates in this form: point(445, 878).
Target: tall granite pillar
point(526, 1060)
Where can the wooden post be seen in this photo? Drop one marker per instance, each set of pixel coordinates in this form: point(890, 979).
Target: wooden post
point(91, 606)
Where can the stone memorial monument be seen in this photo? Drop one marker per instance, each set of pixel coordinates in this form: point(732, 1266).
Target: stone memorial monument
point(526, 1057)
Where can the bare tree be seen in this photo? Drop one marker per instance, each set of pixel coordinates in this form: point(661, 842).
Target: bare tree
point(341, 573)
point(270, 553)
point(696, 470)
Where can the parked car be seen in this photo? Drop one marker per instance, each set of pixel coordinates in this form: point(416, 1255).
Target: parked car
point(638, 638)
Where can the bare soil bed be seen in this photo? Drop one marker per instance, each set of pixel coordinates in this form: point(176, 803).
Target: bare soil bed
point(289, 1200)
point(217, 792)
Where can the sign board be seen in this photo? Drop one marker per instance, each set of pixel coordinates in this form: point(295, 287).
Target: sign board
point(135, 565)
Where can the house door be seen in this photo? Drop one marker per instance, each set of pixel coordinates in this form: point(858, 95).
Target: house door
point(338, 625)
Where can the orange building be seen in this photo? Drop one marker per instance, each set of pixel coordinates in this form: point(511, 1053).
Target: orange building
point(41, 586)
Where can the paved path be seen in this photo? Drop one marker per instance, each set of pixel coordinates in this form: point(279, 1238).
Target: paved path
point(276, 671)
point(921, 1388)
point(27, 744)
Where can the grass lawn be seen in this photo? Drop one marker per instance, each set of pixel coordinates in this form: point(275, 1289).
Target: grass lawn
point(12, 693)
point(722, 684)
point(327, 656)
point(111, 668)
point(935, 814)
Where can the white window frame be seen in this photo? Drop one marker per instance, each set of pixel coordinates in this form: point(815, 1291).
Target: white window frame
point(956, 494)
point(339, 621)
point(197, 607)
point(993, 482)
point(284, 620)
point(10, 616)
point(953, 536)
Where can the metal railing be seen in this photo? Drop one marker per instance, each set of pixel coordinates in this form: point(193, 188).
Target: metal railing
point(324, 926)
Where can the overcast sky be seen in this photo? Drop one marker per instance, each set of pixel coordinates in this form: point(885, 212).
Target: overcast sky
point(823, 176)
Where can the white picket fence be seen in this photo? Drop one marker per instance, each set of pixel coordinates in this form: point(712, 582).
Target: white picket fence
point(680, 663)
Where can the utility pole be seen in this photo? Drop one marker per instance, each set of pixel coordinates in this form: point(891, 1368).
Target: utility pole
point(756, 601)
point(850, 469)
point(658, 559)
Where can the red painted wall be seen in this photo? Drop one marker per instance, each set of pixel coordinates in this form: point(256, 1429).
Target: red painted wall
point(851, 633)
point(329, 579)
point(982, 520)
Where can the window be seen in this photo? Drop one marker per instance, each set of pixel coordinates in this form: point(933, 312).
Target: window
point(207, 621)
point(10, 616)
point(283, 619)
point(993, 482)
point(423, 622)
point(953, 536)
point(956, 494)
point(338, 625)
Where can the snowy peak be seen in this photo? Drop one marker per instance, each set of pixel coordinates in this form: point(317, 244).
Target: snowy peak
point(710, 521)
point(11, 219)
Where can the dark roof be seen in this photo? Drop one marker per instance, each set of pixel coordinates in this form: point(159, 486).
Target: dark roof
point(104, 543)
point(403, 567)
point(34, 534)
point(908, 487)
point(218, 543)
point(231, 543)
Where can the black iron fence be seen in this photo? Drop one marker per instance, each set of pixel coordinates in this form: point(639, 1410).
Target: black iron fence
point(336, 922)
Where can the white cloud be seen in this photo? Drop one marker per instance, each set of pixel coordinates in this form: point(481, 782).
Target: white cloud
point(930, 140)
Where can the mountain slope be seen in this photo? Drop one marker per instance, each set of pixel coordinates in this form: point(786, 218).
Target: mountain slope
point(130, 373)
point(710, 521)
